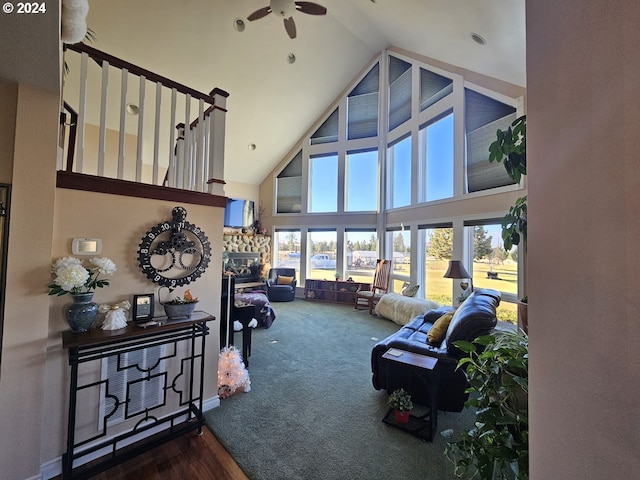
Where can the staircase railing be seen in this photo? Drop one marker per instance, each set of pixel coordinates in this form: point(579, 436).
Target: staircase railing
point(121, 132)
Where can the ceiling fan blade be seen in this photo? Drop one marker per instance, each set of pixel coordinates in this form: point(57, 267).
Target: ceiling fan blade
point(290, 27)
point(310, 8)
point(263, 12)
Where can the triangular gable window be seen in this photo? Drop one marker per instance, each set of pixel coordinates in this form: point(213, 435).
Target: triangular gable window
point(362, 106)
point(328, 131)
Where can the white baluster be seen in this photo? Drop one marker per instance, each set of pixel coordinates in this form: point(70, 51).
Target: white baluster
point(156, 139)
point(82, 108)
point(123, 116)
point(171, 177)
point(103, 118)
point(140, 139)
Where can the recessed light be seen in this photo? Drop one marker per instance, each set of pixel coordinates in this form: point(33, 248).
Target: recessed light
point(291, 58)
point(238, 25)
point(132, 109)
point(251, 147)
point(479, 39)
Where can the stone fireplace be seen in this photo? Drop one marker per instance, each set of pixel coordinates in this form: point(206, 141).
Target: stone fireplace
point(245, 266)
point(246, 256)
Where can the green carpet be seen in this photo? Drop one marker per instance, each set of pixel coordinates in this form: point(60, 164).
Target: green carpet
point(312, 412)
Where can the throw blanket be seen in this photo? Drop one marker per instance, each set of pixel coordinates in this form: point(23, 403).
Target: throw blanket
point(400, 309)
point(264, 313)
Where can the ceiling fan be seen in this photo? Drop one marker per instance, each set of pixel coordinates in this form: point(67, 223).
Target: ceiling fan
point(285, 9)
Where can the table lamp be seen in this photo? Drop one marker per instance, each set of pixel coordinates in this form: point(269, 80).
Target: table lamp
point(456, 270)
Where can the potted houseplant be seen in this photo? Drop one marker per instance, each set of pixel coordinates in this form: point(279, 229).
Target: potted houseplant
point(180, 307)
point(402, 405)
point(510, 149)
point(497, 446)
point(523, 313)
point(72, 276)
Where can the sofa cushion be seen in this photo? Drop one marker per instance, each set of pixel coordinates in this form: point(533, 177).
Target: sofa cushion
point(409, 290)
point(439, 329)
point(282, 280)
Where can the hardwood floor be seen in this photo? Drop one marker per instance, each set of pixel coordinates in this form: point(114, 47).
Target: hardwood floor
point(191, 456)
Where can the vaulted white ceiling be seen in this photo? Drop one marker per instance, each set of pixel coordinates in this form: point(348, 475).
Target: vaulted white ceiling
point(272, 103)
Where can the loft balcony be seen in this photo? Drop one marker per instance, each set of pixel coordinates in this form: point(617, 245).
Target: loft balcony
point(129, 131)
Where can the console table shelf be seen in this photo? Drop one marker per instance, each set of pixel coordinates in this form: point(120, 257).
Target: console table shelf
point(334, 291)
point(179, 372)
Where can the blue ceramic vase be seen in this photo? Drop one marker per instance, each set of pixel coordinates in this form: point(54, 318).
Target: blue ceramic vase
point(82, 313)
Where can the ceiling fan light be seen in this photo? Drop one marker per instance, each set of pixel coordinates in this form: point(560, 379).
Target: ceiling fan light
point(284, 8)
point(291, 58)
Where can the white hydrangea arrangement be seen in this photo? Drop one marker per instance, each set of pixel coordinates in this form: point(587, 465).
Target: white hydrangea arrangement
point(71, 276)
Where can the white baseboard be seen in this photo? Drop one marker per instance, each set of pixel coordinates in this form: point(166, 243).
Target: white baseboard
point(50, 469)
point(210, 403)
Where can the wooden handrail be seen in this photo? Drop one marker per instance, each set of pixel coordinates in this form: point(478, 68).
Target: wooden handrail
point(100, 56)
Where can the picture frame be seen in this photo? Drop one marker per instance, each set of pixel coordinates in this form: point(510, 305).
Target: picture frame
point(143, 306)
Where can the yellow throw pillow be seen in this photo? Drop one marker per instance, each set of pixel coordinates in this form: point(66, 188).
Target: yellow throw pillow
point(439, 329)
point(284, 280)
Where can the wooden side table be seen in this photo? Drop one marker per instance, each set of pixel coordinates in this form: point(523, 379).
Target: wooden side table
point(426, 369)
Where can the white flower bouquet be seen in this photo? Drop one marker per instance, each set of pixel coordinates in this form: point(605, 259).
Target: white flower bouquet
point(71, 276)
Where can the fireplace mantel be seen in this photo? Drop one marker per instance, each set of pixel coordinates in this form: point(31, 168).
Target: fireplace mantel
point(246, 255)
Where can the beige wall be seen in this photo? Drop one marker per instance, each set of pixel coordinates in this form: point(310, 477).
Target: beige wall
point(584, 236)
point(242, 190)
point(120, 222)
point(26, 316)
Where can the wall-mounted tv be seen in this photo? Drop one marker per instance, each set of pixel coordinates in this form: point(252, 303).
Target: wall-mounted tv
point(239, 213)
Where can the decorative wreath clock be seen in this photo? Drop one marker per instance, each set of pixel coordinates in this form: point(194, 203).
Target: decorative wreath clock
point(174, 253)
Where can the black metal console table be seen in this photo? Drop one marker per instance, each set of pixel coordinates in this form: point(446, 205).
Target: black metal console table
point(178, 375)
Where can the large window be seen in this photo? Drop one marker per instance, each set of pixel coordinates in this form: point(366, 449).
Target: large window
point(399, 244)
point(323, 183)
point(361, 253)
point(483, 116)
point(493, 267)
point(322, 254)
point(436, 142)
point(410, 142)
point(286, 250)
point(438, 242)
point(362, 181)
point(399, 157)
point(289, 187)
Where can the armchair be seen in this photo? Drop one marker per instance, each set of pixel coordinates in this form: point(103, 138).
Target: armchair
point(281, 284)
point(381, 279)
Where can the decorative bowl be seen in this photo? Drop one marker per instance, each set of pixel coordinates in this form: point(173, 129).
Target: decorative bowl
point(176, 311)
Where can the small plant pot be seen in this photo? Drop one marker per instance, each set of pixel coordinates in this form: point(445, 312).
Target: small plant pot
point(401, 417)
point(175, 311)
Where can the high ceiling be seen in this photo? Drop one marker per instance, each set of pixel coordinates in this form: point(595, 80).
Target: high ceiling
point(272, 103)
